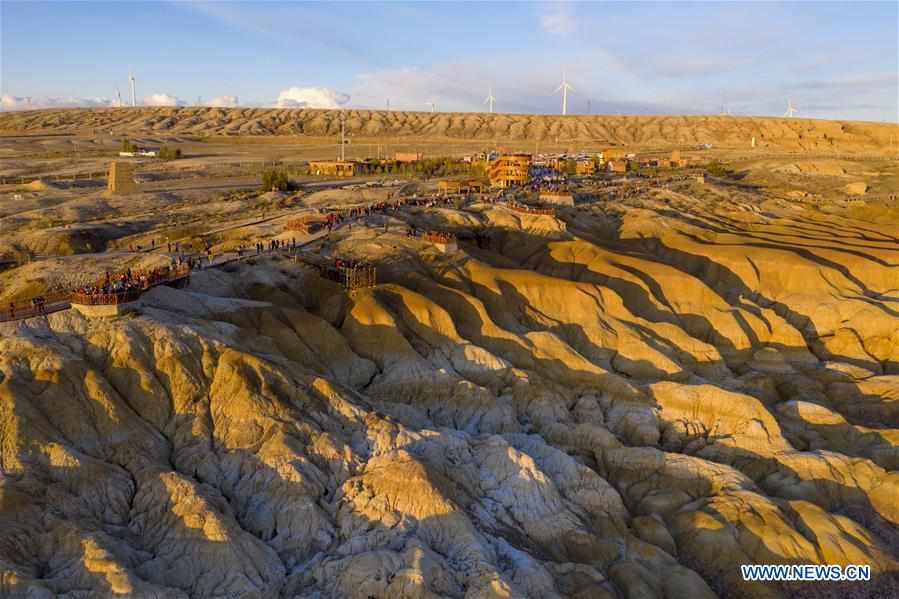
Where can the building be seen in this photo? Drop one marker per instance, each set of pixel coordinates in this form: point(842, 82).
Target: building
point(120, 179)
point(676, 160)
point(335, 168)
point(612, 154)
point(473, 186)
point(557, 163)
point(584, 167)
point(140, 152)
point(408, 156)
point(449, 186)
point(618, 166)
point(453, 186)
point(557, 198)
point(509, 170)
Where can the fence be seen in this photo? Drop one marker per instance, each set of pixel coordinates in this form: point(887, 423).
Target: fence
point(438, 237)
point(353, 277)
point(107, 299)
point(530, 210)
point(36, 306)
point(23, 180)
point(350, 274)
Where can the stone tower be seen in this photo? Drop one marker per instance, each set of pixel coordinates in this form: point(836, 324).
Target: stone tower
point(121, 178)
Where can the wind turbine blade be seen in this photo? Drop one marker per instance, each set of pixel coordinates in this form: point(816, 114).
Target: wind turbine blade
point(558, 89)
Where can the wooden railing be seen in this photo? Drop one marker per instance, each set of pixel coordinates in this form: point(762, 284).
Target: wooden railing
point(36, 306)
point(62, 300)
point(350, 274)
point(353, 277)
point(107, 299)
point(531, 210)
point(438, 237)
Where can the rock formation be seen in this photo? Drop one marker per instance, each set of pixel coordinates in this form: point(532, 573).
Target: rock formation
point(652, 131)
point(628, 406)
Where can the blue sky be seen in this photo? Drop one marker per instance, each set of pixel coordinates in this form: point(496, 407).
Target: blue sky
point(833, 59)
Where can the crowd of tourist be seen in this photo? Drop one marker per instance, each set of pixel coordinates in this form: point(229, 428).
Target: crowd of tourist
point(131, 283)
point(337, 216)
point(115, 287)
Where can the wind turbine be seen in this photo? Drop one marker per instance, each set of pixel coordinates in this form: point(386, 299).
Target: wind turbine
point(432, 105)
point(564, 88)
point(490, 99)
point(791, 110)
point(118, 97)
point(133, 97)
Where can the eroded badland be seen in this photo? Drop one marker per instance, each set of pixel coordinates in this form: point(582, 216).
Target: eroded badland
point(625, 398)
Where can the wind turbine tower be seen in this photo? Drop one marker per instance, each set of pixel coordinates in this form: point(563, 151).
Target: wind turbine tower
point(432, 105)
point(791, 110)
point(118, 97)
point(564, 88)
point(342, 155)
point(490, 100)
point(133, 97)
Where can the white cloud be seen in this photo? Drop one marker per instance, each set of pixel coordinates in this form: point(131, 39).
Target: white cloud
point(558, 20)
point(311, 97)
point(9, 102)
point(222, 102)
point(162, 100)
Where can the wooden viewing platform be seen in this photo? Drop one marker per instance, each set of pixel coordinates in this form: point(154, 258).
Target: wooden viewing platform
point(92, 296)
point(531, 210)
point(107, 299)
point(354, 277)
point(36, 306)
point(442, 240)
point(350, 274)
point(438, 236)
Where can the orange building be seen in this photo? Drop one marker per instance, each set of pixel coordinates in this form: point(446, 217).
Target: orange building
point(676, 160)
point(584, 167)
point(336, 168)
point(613, 154)
point(618, 166)
point(408, 156)
point(509, 170)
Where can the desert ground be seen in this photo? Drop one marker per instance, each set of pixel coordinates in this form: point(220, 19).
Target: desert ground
point(629, 398)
